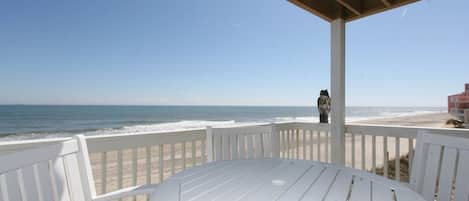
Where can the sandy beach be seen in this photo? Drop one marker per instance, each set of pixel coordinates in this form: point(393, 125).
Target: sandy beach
point(435, 120)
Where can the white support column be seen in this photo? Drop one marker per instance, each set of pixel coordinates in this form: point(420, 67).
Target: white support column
point(338, 91)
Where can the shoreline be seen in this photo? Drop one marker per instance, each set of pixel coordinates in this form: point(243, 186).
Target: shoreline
point(432, 120)
point(425, 119)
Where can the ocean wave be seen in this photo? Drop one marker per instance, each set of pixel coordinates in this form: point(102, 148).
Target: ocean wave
point(158, 127)
point(191, 124)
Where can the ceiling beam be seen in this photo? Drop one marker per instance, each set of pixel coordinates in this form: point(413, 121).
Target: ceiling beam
point(354, 6)
point(324, 9)
point(348, 10)
point(378, 10)
point(387, 3)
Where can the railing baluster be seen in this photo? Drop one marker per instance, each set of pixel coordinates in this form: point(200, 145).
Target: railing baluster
point(292, 143)
point(311, 152)
point(148, 168)
point(291, 152)
point(411, 153)
point(397, 169)
point(353, 150)
point(242, 146)
point(319, 144)
point(148, 163)
point(285, 144)
point(202, 152)
point(304, 144)
point(297, 135)
point(173, 162)
point(327, 146)
point(104, 172)
point(288, 144)
point(134, 166)
point(373, 153)
point(385, 156)
point(280, 134)
point(363, 151)
point(183, 154)
point(134, 169)
point(161, 162)
point(193, 153)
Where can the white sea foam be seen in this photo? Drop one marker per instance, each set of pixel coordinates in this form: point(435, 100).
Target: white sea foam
point(159, 127)
point(189, 125)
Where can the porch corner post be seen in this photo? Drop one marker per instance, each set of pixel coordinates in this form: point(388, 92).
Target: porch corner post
point(338, 91)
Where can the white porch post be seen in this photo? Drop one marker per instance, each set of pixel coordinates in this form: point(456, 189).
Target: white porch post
point(338, 91)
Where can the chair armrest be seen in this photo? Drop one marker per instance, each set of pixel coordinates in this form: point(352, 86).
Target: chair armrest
point(126, 192)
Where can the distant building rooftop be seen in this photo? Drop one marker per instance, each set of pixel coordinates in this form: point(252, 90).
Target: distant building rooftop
point(457, 103)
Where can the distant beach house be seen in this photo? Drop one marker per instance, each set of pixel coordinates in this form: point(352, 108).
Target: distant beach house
point(457, 103)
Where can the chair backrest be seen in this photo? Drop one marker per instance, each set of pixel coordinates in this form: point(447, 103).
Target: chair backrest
point(59, 172)
point(441, 167)
point(242, 143)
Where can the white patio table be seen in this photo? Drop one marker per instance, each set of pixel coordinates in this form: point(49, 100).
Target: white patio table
point(276, 179)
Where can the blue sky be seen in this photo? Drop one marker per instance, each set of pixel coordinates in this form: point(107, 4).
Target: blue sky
point(212, 52)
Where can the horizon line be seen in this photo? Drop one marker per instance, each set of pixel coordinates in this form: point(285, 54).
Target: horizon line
point(205, 105)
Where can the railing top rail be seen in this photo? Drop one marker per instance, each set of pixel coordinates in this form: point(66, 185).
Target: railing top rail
point(401, 131)
point(132, 140)
point(101, 142)
point(107, 143)
point(253, 125)
point(11, 146)
point(312, 126)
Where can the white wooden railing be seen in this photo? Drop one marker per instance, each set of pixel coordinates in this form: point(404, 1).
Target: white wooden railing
point(305, 141)
point(386, 143)
point(119, 161)
point(367, 147)
point(134, 159)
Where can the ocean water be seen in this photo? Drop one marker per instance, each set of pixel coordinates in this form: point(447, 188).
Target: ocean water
point(19, 122)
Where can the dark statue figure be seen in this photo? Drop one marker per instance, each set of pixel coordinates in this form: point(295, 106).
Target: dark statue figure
point(324, 106)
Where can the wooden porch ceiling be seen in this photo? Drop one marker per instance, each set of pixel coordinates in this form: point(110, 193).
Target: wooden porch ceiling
point(348, 10)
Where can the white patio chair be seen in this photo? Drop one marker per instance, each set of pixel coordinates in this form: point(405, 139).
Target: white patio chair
point(59, 172)
point(441, 167)
point(242, 143)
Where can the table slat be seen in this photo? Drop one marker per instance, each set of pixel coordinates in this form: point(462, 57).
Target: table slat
point(361, 189)
point(341, 187)
point(279, 183)
point(320, 188)
point(382, 192)
point(219, 191)
point(281, 180)
point(302, 185)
